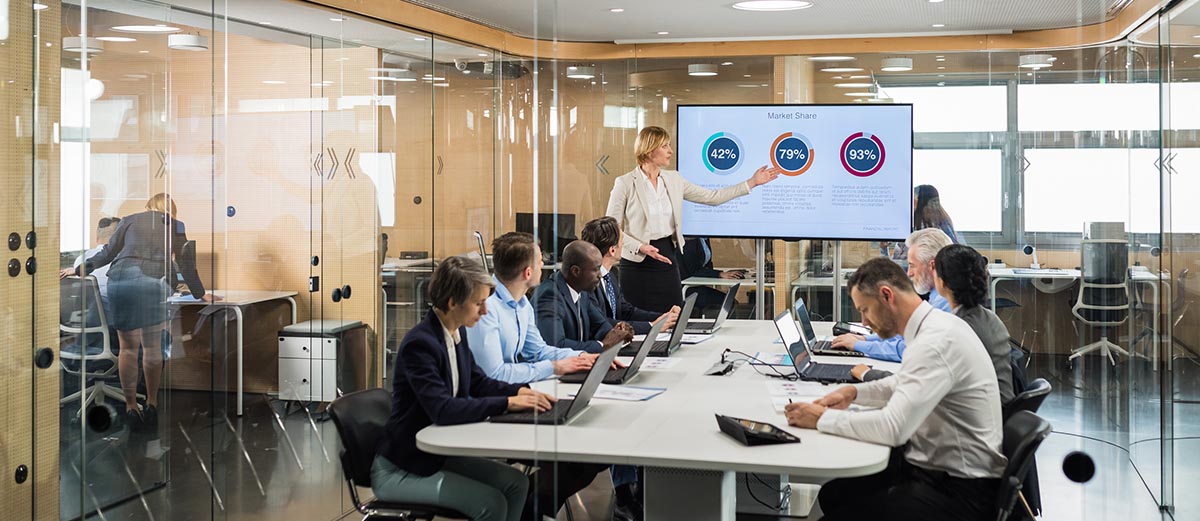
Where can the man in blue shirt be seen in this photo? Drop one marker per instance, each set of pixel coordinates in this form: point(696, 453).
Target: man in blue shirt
point(508, 346)
point(506, 342)
point(923, 246)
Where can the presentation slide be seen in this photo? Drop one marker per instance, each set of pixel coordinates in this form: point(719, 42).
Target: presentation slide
point(847, 170)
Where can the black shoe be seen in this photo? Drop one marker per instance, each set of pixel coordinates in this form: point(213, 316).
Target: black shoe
point(628, 512)
point(150, 417)
point(134, 419)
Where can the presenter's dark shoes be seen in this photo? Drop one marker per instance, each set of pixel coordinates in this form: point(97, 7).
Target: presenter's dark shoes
point(150, 418)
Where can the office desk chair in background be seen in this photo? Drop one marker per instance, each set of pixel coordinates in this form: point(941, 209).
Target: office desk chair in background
point(1103, 298)
point(88, 345)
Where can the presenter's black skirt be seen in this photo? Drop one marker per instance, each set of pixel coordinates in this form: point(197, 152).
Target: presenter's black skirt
point(653, 285)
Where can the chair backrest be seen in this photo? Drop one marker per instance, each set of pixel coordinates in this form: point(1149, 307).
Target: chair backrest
point(1104, 286)
point(482, 251)
point(1023, 434)
point(1030, 399)
point(79, 305)
point(359, 418)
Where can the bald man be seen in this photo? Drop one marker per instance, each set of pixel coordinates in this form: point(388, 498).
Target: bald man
point(566, 316)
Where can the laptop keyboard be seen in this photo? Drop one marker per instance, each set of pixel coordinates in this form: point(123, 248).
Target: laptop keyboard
point(553, 416)
point(825, 347)
point(828, 372)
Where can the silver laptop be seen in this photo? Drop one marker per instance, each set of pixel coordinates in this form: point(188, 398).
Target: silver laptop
point(818, 346)
point(704, 327)
point(808, 369)
point(564, 410)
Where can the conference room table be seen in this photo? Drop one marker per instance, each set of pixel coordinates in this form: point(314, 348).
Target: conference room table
point(692, 468)
point(236, 300)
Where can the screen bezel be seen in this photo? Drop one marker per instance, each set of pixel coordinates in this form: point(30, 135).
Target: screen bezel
point(912, 140)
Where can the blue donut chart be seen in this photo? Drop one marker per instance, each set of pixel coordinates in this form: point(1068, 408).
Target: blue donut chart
point(723, 153)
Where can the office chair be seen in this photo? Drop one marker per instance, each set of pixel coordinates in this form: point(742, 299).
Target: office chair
point(1029, 400)
point(482, 251)
point(81, 315)
point(359, 418)
point(1023, 434)
point(1103, 298)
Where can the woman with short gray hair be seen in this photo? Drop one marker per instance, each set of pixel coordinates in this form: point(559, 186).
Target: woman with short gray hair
point(436, 382)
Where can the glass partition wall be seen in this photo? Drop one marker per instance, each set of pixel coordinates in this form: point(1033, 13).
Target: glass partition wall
point(320, 164)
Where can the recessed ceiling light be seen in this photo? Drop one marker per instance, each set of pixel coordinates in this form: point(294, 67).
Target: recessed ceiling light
point(938, 26)
point(1196, 56)
point(419, 38)
point(830, 58)
point(702, 69)
point(940, 59)
point(853, 85)
point(115, 39)
point(746, 86)
point(941, 84)
point(616, 10)
point(39, 7)
point(78, 44)
point(441, 84)
point(726, 63)
point(143, 52)
point(842, 69)
point(145, 29)
point(482, 54)
point(1035, 61)
point(274, 82)
point(664, 33)
point(764, 85)
point(581, 72)
point(941, 75)
point(316, 84)
point(941, 68)
point(745, 75)
point(187, 42)
point(772, 5)
point(896, 65)
point(337, 19)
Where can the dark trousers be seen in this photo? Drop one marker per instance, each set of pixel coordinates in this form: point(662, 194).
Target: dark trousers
point(653, 285)
point(553, 483)
point(904, 492)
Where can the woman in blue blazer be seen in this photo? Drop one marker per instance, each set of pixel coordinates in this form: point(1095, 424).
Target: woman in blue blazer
point(436, 382)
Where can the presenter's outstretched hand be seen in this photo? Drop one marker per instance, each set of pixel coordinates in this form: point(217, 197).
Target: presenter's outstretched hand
point(652, 252)
point(764, 175)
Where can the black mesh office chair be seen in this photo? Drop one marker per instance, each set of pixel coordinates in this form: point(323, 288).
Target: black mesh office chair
point(89, 345)
point(1023, 434)
point(359, 418)
point(1030, 399)
point(1103, 298)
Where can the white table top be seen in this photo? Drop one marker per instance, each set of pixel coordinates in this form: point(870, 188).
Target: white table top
point(1009, 272)
point(718, 281)
point(677, 428)
point(234, 297)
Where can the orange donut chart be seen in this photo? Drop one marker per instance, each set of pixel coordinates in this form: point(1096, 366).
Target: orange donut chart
point(795, 156)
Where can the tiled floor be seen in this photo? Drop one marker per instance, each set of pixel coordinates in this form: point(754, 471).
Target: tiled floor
point(286, 469)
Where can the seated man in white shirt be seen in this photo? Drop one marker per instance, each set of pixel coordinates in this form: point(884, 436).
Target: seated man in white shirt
point(104, 231)
point(944, 402)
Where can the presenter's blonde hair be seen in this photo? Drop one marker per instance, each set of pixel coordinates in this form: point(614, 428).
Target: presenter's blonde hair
point(160, 202)
point(649, 140)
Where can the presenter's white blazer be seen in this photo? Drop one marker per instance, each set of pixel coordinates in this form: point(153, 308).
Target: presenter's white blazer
point(629, 203)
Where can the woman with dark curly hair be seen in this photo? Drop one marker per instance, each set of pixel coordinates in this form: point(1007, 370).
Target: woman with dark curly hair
point(960, 274)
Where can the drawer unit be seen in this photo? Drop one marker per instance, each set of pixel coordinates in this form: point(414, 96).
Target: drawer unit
point(308, 359)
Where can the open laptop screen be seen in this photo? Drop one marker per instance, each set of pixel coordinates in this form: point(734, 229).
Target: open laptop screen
point(790, 334)
point(805, 319)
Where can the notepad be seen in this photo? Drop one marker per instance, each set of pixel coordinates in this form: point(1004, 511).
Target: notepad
point(625, 393)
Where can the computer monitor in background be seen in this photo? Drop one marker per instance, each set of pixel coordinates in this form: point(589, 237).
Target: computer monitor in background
point(555, 231)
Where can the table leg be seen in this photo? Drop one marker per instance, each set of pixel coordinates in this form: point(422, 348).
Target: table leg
point(292, 301)
point(237, 312)
point(993, 283)
point(695, 495)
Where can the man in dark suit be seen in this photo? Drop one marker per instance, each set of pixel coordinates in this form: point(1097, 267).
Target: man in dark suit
point(566, 316)
point(605, 234)
point(696, 261)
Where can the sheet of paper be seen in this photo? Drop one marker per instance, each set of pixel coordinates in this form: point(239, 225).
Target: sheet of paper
point(809, 390)
point(662, 337)
point(781, 359)
point(652, 363)
point(626, 393)
point(694, 339)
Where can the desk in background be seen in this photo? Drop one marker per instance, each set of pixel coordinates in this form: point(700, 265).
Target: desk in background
point(236, 300)
point(689, 462)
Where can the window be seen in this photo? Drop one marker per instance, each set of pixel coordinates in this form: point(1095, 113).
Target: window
point(1080, 107)
point(969, 183)
point(1065, 188)
point(981, 108)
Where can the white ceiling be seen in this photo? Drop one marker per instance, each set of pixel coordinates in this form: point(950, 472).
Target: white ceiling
point(691, 20)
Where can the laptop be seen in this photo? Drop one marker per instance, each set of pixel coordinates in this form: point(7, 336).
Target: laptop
point(705, 327)
point(818, 347)
point(564, 410)
point(624, 374)
point(808, 369)
point(665, 348)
